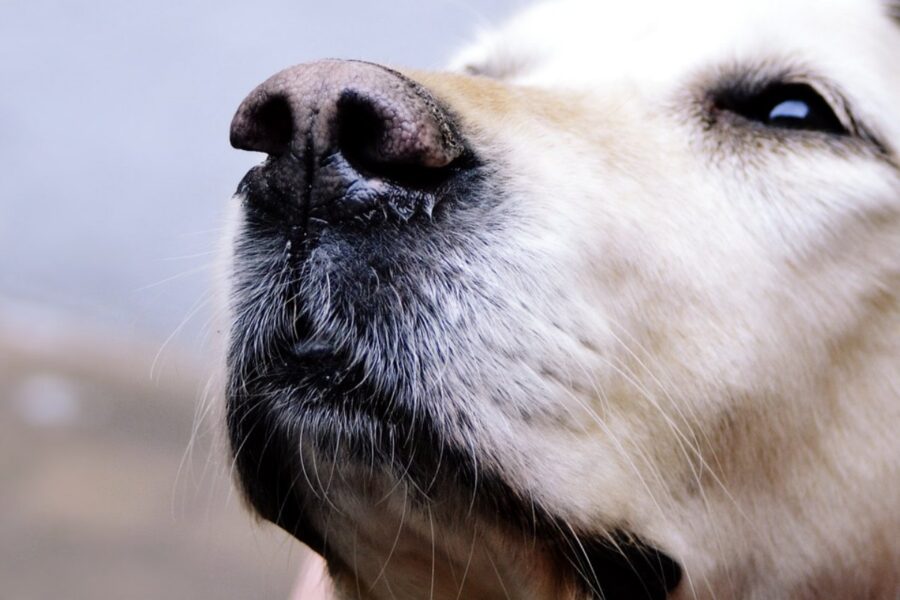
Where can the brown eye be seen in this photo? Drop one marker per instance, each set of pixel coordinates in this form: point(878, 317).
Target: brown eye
point(785, 106)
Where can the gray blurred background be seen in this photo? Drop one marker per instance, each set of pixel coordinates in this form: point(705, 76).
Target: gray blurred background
point(116, 173)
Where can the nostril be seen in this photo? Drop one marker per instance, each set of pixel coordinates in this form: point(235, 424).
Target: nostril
point(264, 126)
point(382, 140)
point(360, 130)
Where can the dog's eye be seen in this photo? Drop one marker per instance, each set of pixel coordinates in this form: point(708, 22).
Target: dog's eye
point(787, 106)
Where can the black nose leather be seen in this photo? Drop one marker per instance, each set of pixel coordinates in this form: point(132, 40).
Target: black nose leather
point(381, 124)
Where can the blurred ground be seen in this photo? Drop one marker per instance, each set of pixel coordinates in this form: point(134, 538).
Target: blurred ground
point(99, 496)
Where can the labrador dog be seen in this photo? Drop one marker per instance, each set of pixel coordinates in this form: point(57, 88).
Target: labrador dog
point(610, 309)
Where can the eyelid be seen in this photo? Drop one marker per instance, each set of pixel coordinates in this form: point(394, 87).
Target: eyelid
point(835, 100)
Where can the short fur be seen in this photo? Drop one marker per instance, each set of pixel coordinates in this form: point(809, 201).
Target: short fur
point(646, 348)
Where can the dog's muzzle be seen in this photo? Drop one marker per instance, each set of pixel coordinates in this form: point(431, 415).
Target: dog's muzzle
point(368, 221)
point(365, 170)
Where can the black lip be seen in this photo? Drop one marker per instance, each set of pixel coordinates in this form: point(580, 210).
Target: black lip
point(623, 567)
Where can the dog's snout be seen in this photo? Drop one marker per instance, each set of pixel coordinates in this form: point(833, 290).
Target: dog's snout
point(377, 123)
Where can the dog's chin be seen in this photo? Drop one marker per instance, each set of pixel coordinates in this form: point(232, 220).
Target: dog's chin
point(304, 408)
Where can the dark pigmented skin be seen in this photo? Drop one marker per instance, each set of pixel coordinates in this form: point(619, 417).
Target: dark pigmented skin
point(298, 109)
point(348, 139)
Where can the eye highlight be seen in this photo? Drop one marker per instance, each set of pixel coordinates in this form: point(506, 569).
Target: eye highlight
point(784, 106)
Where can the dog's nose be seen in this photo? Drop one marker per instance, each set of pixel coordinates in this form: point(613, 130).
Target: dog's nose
point(353, 107)
point(378, 122)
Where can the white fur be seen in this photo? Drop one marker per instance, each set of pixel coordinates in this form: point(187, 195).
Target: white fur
point(713, 323)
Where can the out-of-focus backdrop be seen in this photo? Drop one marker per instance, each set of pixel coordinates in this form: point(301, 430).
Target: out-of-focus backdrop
point(116, 173)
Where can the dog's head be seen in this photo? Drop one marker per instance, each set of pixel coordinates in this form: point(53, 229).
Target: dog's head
point(609, 309)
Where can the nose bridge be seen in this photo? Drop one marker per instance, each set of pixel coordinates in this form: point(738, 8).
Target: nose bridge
point(488, 106)
point(304, 109)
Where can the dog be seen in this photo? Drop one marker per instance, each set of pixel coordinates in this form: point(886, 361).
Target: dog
point(609, 309)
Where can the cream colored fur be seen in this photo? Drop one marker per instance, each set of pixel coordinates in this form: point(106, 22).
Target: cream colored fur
point(718, 313)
